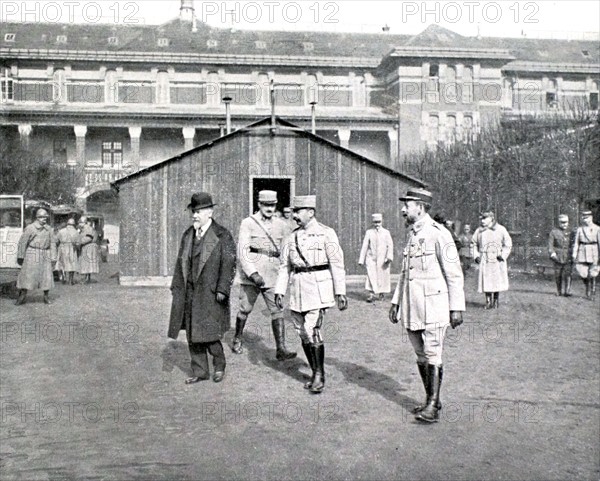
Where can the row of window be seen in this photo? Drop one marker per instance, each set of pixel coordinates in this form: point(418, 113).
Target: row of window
point(112, 153)
point(450, 131)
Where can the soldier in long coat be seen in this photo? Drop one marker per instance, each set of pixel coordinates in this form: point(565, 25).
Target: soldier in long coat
point(259, 246)
point(586, 253)
point(559, 250)
point(491, 247)
point(201, 286)
point(36, 254)
point(377, 254)
point(68, 244)
point(312, 265)
point(88, 258)
point(429, 295)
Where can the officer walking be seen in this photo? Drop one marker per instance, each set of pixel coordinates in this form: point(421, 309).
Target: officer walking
point(314, 260)
point(559, 243)
point(259, 248)
point(429, 295)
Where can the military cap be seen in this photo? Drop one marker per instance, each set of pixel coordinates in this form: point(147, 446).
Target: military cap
point(417, 195)
point(287, 209)
point(585, 213)
point(267, 197)
point(377, 217)
point(305, 202)
point(71, 221)
point(563, 217)
point(41, 213)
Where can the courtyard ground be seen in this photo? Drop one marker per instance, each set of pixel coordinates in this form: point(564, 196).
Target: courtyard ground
point(91, 388)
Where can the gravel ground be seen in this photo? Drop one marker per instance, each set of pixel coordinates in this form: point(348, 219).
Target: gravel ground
point(91, 388)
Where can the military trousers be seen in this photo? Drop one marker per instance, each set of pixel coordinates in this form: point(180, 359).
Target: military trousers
point(308, 325)
point(428, 343)
point(248, 296)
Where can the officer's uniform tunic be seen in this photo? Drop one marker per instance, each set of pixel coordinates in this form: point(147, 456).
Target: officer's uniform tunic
point(586, 251)
point(316, 275)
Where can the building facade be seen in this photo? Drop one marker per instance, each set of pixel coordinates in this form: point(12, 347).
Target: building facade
point(108, 100)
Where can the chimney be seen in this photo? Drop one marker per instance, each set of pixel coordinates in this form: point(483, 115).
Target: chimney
point(186, 11)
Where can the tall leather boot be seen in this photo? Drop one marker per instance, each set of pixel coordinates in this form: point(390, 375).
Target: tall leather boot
point(496, 300)
point(424, 373)
point(311, 363)
point(240, 322)
point(593, 288)
point(71, 281)
point(568, 286)
point(431, 412)
point(488, 300)
point(279, 334)
point(559, 286)
point(46, 298)
point(21, 299)
point(319, 357)
point(587, 288)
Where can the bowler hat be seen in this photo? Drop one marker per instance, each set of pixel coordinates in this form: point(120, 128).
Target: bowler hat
point(305, 202)
point(418, 195)
point(267, 197)
point(201, 200)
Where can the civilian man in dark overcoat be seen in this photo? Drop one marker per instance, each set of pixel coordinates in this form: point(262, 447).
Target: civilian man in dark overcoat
point(201, 285)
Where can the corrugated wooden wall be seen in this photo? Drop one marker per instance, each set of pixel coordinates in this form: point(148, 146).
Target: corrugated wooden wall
point(153, 203)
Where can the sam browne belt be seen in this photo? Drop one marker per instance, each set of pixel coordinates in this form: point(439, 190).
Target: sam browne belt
point(299, 269)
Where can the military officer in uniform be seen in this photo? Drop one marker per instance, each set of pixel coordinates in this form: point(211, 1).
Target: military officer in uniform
point(559, 243)
point(287, 217)
point(259, 248)
point(586, 253)
point(429, 295)
point(313, 259)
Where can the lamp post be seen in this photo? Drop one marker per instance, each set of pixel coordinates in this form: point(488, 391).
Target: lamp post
point(227, 101)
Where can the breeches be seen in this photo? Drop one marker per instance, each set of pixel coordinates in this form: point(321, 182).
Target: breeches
point(587, 270)
point(562, 271)
point(308, 325)
point(249, 294)
point(428, 344)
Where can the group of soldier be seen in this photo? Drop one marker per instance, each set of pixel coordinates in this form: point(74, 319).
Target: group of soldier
point(40, 252)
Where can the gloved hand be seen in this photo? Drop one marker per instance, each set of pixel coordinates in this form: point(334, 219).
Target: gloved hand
point(257, 279)
point(477, 260)
point(342, 302)
point(553, 256)
point(393, 314)
point(221, 298)
point(455, 319)
point(500, 258)
point(279, 301)
point(20, 261)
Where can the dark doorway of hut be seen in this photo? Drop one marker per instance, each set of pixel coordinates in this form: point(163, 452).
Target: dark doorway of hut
point(283, 187)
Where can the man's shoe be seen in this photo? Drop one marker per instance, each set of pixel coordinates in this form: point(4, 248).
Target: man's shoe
point(46, 298)
point(195, 379)
point(382, 296)
point(218, 376)
point(236, 347)
point(371, 298)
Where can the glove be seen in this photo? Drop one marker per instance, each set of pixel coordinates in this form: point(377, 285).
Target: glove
point(257, 279)
point(477, 260)
point(393, 315)
point(500, 259)
point(342, 302)
point(553, 256)
point(20, 261)
point(279, 301)
point(221, 298)
point(455, 319)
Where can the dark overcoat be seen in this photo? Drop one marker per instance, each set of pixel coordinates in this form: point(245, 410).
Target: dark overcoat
point(210, 319)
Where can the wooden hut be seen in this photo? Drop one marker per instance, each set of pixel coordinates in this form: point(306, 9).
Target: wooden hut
point(269, 154)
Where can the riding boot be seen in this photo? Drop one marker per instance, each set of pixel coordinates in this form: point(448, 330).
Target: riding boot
point(278, 326)
point(488, 300)
point(559, 286)
point(71, 281)
point(587, 288)
point(593, 288)
point(431, 412)
point(568, 286)
point(496, 302)
point(424, 373)
point(240, 322)
point(319, 357)
point(21, 299)
point(311, 363)
point(46, 298)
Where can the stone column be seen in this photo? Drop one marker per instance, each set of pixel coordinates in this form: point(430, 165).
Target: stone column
point(134, 135)
point(80, 132)
point(344, 135)
point(188, 136)
point(25, 135)
point(394, 159)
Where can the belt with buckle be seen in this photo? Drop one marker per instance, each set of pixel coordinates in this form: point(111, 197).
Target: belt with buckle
point(299, 269)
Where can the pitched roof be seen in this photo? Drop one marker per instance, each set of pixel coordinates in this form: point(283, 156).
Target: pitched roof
point(266, 123)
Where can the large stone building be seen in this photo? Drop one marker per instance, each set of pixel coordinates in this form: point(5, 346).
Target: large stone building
point(109, 100)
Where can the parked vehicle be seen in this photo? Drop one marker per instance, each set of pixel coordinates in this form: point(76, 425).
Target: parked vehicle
point(12, 223)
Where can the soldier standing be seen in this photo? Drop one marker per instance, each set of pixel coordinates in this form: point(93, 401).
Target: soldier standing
point(314, 260)
point(586, 253)
point(36, 254)
point(377, 254)
point(559, 243)
point(429, 296)
point(259, 248)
